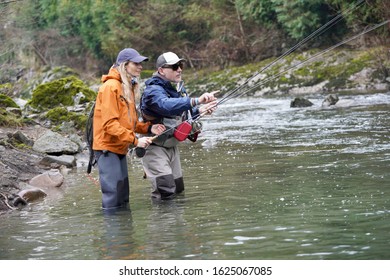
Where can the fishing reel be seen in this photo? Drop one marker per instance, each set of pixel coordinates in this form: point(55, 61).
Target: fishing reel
point(196, 126)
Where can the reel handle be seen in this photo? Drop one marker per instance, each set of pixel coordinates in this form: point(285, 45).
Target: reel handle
point(140, 152)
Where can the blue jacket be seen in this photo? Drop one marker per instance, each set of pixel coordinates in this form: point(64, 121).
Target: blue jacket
point(161, 100)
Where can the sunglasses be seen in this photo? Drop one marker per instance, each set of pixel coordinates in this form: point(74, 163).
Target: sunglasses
point(174, 67)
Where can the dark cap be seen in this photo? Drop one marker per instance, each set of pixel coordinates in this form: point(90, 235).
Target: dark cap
point(129, 55)
point(168, 58)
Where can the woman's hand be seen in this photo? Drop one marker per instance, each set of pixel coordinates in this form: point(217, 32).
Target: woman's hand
point(144, 142)
point(157, 129)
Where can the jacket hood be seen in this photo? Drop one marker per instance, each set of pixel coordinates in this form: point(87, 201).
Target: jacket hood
point(112, 74)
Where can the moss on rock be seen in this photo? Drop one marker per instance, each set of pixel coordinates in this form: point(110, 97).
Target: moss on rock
point(60, 92)
point(6, 101)
point(6, 88)
point(59, 115)
point(9, 119)
point(306, 69)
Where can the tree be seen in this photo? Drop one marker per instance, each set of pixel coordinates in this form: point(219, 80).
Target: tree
point(301, 18)
point(262, 11)
point(88, 34)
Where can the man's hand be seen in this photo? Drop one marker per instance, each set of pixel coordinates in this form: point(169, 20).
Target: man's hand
point(208, 109)
point(157, 129)
point(207, 97)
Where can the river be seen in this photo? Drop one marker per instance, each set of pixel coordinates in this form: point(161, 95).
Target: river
point(263, 181)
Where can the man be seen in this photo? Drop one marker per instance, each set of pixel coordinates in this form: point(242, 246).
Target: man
point(165, 101)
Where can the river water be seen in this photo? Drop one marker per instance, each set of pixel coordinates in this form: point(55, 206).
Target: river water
point(264, 181)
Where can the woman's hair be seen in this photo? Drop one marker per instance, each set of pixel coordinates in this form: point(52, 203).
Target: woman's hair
point(128, 86)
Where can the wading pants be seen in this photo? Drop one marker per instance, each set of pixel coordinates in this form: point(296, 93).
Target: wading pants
point(114, 180)
point(163, 169)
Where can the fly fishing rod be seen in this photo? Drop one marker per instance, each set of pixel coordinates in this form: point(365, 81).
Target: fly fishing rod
point(308, 59)
point(230, 95)
point(316, 33)
point(140, 152)
point(298, 64)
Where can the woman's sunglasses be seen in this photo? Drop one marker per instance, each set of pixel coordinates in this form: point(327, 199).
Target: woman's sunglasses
point(174, 67)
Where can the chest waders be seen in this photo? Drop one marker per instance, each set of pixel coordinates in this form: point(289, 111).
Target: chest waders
point(163, 170)
point(161, 160)
point(113, 176)
point(114, 180)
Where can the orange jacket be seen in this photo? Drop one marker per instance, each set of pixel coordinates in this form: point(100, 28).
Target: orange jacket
point(115, 120)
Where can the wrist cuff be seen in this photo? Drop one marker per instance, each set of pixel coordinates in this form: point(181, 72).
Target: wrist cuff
point(194, 102)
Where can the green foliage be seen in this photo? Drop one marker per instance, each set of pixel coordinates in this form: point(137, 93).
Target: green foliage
point(192, 27)
point(262, 11)
point(6, 101)
point(59, 115)
point(366, 12)
point(146, 74)
point(60, 92)
point(6, 88)
point(8, 119)
point(88, 19)
point(301, 18)
point(335, 70)
point(89, 34)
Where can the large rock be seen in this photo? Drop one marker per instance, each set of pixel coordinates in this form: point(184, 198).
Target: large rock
point(20, 137)
point(66, 160)
point(331, 99)
point(49, 179)
point(32, 194)
point(300, 102)
point(54, 143)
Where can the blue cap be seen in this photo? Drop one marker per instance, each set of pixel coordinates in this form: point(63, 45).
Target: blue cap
point(129, 55)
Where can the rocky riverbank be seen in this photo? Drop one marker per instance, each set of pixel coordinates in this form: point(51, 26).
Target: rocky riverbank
point(34, 159)
point(27, 171)
point(43, 115)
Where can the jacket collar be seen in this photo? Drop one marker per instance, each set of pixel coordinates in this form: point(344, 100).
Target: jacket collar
point(112, 74)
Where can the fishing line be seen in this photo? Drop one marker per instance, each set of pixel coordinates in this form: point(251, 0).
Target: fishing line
point(312, 57)
point(141, 151)
point(316, 33)
point(195, 118)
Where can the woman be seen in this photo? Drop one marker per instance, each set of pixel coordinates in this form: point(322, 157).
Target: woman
point(115, 123)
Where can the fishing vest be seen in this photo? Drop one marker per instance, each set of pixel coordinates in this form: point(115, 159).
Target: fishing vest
point(167, 138)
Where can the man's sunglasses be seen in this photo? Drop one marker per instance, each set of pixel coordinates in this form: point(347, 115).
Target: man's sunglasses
point(174, 67)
